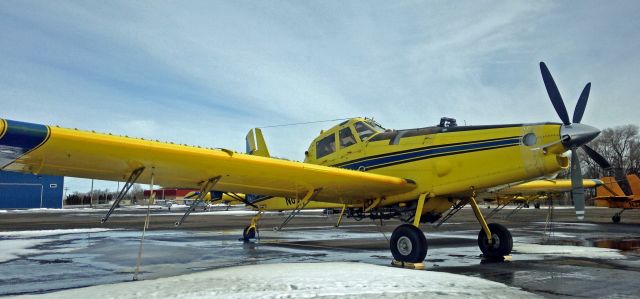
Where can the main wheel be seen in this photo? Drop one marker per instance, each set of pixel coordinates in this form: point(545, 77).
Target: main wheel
point(502, 241)
point(248, 233)
point(615, 218)
point(408, 244)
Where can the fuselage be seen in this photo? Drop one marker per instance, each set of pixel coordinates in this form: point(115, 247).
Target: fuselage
point(445, 162)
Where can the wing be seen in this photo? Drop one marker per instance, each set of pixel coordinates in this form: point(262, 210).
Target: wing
point(41, 149)
point(559, 185)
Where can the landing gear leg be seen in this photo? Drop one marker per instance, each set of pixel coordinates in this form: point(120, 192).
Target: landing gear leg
point(408, 244)
point(494, 239)
point(344, 207)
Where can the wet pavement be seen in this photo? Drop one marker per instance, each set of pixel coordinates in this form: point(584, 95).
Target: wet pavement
point(593, 259)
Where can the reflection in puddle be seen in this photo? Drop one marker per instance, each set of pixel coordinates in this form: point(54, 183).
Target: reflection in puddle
point(620, 244)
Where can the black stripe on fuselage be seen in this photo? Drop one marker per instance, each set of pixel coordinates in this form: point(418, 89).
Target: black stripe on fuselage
point(436, 156)
point(342, 164)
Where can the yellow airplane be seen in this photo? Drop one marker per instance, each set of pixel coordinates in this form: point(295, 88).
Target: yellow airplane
point(416, 173)
point(530, 192)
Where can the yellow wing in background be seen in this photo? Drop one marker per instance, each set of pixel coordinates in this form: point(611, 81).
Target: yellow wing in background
point(40, 149)
point(559, 185)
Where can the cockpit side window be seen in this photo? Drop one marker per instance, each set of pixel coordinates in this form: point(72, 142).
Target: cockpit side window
point(346, 138)
point(325, 146)
point(363, 130)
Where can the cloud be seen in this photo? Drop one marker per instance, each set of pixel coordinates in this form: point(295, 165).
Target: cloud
point(203, 73)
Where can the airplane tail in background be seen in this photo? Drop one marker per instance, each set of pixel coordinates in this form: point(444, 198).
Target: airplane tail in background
point(255, 143)
point(634, 184)
point(610, 188)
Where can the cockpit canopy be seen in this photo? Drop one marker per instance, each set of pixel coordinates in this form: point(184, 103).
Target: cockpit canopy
point(346, 134)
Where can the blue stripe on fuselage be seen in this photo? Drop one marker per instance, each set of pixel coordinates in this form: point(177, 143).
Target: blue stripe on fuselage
point(20, 138)
point(430, 152)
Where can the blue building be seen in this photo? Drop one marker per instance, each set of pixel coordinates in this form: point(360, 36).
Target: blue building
point(27, 191)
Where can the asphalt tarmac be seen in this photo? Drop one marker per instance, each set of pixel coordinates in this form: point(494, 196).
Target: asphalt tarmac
point(590, 259)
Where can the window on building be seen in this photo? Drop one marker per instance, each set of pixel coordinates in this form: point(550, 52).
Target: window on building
point(346, 138)
point(363, 130)
point(325, 146)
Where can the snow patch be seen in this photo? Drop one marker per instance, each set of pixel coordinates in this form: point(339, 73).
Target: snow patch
point(568, 251)
point(304, 280)
point(13, 249)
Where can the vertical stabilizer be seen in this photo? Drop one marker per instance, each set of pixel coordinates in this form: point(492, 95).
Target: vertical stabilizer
point(634, 183)
point(610, 188)
point(255, 143)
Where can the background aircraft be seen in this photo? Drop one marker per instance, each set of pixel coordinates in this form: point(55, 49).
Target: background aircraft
point(611, 195)
point(532, 192)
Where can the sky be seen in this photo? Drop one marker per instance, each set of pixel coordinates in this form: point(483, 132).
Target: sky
point(205, 72)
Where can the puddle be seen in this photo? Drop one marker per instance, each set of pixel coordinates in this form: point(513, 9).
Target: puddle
point(620, 244)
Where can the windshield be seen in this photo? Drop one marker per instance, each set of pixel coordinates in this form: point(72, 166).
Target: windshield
point(376, 126)
point(364, 130)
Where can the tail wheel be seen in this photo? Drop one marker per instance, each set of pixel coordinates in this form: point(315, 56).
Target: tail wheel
point(408, 244)
point(502, 241)
point(615, 218)
point(248, 233)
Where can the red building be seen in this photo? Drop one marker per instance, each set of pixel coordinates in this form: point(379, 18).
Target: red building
point(169, 193)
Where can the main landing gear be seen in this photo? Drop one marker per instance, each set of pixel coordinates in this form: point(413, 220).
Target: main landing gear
point(618, 216)
point(249, 232)
point(408, 243)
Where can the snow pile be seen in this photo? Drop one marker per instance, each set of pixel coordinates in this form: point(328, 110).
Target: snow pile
point(326, 280)
point(13, 249)
point(15, 244)
point(567, 250)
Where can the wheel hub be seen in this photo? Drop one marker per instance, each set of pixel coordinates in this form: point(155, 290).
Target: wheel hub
point(404, 245)
point(496, 241)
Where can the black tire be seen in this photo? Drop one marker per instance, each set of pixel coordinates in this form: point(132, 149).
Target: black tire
point(248, 233)
point(502, 241)
point(408, 244)
point(526, 205)
point(616, 218)
point(536, 205)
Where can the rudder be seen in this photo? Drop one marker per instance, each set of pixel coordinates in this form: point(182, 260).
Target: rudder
point(634, 183)
point(255, 143)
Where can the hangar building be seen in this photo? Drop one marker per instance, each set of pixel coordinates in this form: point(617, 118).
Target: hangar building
point(27, 191)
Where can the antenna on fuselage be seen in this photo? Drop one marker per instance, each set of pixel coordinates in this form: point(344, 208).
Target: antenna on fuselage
point(303, 123)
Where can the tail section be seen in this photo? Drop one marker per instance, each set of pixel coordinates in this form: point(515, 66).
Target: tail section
point(634, 183)
point(255, 143)
point(610, 188)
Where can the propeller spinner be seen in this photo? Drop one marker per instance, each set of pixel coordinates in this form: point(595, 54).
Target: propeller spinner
point(574, 135)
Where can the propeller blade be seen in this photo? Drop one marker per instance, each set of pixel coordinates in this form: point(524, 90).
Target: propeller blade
point(554, 94)
point(577, 189)
point(596, 157)
point(582, 103)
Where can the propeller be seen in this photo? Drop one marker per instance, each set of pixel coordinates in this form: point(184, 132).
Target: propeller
point(574, 135)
